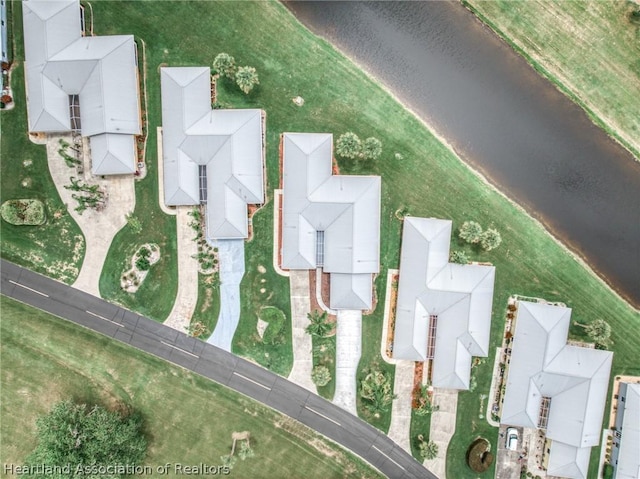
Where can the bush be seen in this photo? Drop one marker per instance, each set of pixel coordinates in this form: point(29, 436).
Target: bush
point(143, 264)
point(459, 257)
point(23, 212)
point(320, 376)
point(349, 145)
point(607, 471)
point(490, 239)
point(276, 319)
point(471, 232)
point(479, 457)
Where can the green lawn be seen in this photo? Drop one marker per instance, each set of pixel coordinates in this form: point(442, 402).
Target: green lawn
point(590, 50)
point(207, 308)
point(55, 248)
point(324, 354)
point(426, 178)
point(181, 410)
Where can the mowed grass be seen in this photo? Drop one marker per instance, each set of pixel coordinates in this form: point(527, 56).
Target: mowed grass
point(429, 180)
point(591, 50)
point(57, 247)
point(46, 359)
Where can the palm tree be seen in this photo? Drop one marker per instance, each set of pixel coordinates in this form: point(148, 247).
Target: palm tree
point(371, 148)
point(320, 375)
point(376, 391)
point(349, 145)
point(247, 78)
point(599, 331)
point(490, 239)
point(225, 65)
point(319, 326)
point(428, 449)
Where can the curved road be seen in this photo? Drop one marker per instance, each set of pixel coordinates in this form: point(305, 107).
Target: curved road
point(213, 363)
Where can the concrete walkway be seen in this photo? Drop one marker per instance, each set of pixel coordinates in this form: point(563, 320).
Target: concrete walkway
point(302, 347)
point(187, 297)
point(400, 427)
point(443, 426)
point(348, 351)
point(98, 228)
point(231, 257)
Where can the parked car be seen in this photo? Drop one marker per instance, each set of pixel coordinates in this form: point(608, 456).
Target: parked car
point(512, 439)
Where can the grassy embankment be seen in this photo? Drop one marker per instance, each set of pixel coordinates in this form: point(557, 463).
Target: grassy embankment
point(589, 50)
point(55, 248)
point(428, 179)
point(181, 410)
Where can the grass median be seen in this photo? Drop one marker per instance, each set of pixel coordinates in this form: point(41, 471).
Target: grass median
point(181, 410)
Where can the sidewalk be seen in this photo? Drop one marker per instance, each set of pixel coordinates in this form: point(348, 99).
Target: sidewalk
point(185, 303)
point(443, 426)
point(302, 346)
point(348, 351)
point(98, 228)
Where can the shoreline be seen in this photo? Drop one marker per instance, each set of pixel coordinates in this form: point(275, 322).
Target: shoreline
point(426, 122)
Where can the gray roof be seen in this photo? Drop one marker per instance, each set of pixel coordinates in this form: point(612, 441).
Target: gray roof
point(228, 143)
point(629, 453)
point(111, 154)
point(576, 379)
point(345, 208)
point(461, 296)
point(102, 71)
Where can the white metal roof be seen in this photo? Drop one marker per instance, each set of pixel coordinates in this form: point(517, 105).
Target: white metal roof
point(629, 453)
point(102, 71)
point(461, 296)
point(574, 378)
point(345, 208)
point(111, 154)
point(228, 143)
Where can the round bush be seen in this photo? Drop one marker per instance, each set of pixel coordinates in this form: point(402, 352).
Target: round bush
point(479, 457)
point(276, 319)
point(23, 212)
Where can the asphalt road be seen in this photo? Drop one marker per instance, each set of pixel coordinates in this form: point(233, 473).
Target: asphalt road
point(213, 363)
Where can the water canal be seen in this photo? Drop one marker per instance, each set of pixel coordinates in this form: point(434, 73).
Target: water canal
point(501, 117)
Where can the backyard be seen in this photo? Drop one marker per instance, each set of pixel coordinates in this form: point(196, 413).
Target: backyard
point(39, 370)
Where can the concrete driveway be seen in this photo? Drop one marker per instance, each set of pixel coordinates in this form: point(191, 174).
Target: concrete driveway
point(348, 351)
point(231, 257)
point(507, 465)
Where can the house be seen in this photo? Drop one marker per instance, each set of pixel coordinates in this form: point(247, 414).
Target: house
point(82, 84)
point(330, 221)
point(625, 454)
point(210, 157)
point(443, 310)
point(555, 387)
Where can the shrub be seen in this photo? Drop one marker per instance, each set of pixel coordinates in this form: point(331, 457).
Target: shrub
point(459, 257)
point(490, 239)
point(225, 65)
point(376, 391)
point(23, 212)
point(479, 457)
point(471, 232)
point(276, 319)
point(349, 145)
point(320, 376)
point(143, 264)
point(371, 148)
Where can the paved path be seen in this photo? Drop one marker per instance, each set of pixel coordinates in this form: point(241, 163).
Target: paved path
point(302, 348)
point(98, 228)
point(212, 363)
point(443, 426)
point(231, 257)
point(400, 427)
point(348, 351)
point(185, 304)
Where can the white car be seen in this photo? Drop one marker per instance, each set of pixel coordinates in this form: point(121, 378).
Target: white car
point(512, 439)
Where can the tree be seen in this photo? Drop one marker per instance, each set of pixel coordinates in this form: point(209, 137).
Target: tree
point(491, 239)
point(599, 331)
point(471, 232)
point(428, 449)
point(349, 145)
point(225, 65)
point(375, 390)
point(371, 148)
point(247, 78)
point(77, 435)
point(319, 326)
point(459, 257)
point(320, 376)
